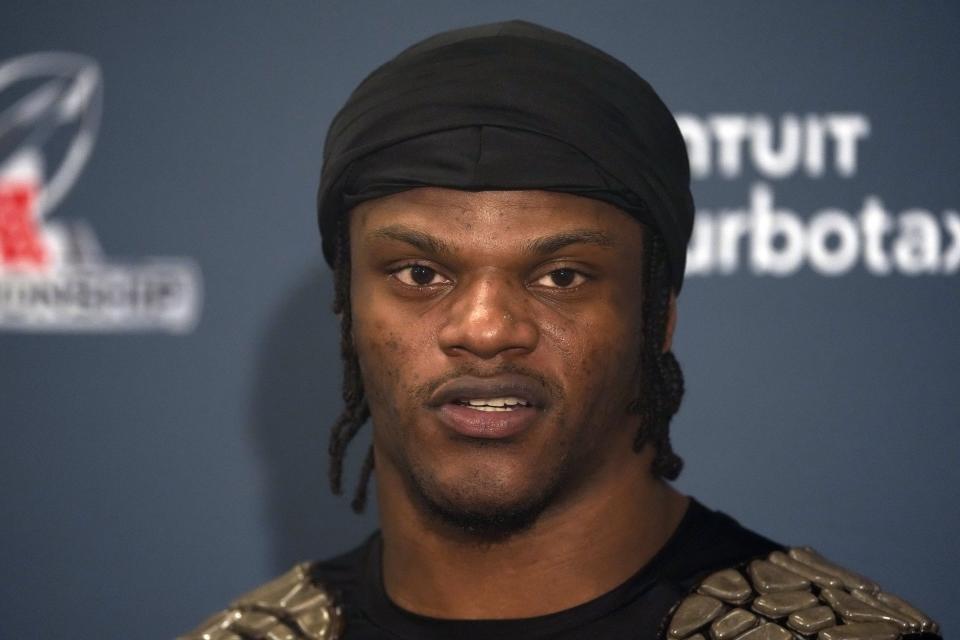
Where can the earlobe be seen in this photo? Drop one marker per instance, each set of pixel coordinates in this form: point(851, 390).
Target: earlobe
point(671, 323)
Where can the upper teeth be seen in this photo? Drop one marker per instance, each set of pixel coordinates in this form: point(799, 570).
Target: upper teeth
point(507, 401)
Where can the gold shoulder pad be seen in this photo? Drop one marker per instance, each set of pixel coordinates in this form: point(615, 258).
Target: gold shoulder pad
point(798, 594)
point(290, 607)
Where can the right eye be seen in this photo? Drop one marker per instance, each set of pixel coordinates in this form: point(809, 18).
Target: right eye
point(418, 275)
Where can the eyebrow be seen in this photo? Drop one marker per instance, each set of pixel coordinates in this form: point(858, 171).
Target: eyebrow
point(553, 243)
point(542, 246)
point(417, 239)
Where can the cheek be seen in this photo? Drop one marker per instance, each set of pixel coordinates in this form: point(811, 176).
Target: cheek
point(378, 349)
point(591, 345)
point(388, 353)
point(597, 354)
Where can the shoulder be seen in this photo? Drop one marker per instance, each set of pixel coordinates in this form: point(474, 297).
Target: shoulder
point(305, 603)
point(794, 594)
point(709, 540)
point(292, 606)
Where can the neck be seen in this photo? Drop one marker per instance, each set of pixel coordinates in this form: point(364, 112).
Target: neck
point(576, 551)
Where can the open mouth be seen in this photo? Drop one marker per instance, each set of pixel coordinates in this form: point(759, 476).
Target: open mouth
point(495, 407)
point(505, 403)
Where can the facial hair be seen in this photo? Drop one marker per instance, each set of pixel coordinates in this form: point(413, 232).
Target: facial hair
point(486, 521)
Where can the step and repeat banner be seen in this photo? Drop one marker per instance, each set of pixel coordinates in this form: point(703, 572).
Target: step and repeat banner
point(169, 364)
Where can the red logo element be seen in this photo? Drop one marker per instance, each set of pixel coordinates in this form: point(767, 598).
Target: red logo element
point(20, 242)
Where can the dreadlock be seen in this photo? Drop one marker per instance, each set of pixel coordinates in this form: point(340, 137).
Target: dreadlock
point(661, 372)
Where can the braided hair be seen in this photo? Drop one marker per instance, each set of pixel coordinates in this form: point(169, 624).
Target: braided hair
point(661, 375)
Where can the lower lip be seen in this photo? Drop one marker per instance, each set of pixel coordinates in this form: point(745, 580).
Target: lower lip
point(493, 425)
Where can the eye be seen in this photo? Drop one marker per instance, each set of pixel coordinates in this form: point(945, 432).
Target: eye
point(562, 279)
point(418, 275)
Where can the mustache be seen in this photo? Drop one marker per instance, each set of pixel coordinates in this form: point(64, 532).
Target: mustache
point(551, 390)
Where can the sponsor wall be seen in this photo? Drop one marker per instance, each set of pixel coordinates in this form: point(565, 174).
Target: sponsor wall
point(169, 365)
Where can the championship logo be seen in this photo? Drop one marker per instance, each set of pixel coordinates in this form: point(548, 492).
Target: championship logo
point(53, 276)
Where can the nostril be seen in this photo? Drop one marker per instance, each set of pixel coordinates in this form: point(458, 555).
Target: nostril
point(486, 316)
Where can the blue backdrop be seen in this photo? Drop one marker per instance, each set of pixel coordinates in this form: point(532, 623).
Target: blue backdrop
point(154, 466)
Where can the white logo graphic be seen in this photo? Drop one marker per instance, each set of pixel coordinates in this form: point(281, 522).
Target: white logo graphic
point(52, 274)
point(773, 240)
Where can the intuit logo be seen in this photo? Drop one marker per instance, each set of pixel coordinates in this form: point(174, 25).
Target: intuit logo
point(768, 238)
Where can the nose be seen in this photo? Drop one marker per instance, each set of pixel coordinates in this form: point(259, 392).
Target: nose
point(487, 316)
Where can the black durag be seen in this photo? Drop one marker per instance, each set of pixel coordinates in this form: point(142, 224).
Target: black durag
point(510, 106)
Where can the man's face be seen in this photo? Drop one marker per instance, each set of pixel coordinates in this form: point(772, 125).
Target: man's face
point(498, 335)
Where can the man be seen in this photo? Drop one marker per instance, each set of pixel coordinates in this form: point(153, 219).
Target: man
point(506, 210)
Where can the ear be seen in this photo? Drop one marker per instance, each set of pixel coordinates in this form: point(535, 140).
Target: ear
point(671, 323)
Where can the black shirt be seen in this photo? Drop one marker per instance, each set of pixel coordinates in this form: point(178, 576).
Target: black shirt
point(704, 541)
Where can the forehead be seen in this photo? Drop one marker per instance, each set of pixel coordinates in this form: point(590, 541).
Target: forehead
point(477, 219)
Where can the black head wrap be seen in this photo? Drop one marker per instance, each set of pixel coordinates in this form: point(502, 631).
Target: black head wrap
point(510, 106)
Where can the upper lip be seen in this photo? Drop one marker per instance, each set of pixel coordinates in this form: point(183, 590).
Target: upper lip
point(507, 385)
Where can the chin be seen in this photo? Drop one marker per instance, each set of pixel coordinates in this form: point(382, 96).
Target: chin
point(482, 506)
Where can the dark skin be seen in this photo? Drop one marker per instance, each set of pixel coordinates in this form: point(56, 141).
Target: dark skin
point(447, 284)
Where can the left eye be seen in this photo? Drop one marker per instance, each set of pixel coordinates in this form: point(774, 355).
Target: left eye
point(418, 275)
point(562, 279)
